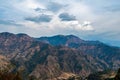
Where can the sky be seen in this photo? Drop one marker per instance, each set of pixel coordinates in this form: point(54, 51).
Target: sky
point(87, 19)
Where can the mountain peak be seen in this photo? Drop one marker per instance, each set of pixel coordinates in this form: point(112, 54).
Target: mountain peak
point(6, 34)
point(64, 37)
point(72, 36)
point(61, 39)
point(22, 35)
point(15, 37)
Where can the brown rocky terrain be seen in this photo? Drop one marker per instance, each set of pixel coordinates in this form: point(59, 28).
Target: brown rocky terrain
point(43, 61)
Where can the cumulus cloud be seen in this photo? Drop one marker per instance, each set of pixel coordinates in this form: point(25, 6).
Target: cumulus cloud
point(66, 17)
point(9, 22)
point(61, 16)
point(39, 19)
point(57, 25)
point(77, 26)
point(29, 4)
point(40, 10)
point(54, 6)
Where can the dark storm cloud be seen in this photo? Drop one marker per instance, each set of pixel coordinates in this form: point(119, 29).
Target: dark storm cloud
point(66, 17)
point(41, 18)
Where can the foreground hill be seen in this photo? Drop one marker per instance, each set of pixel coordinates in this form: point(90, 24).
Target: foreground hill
point(5, 65)
point(7, 70)
point(42, 61)
point(105, 75)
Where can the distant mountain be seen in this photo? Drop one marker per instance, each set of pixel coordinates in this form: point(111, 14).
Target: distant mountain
point(68, 40)
point(96, 49)
point(61, 40)
point(44, 59)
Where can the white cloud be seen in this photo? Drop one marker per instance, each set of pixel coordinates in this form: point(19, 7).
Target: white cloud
point(57, 25)
point(80, 10)
point(85, 12)
point(29, 4)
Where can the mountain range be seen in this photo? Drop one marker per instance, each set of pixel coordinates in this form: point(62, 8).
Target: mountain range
point(58, 57)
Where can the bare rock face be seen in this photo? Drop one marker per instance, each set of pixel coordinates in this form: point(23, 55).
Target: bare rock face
point(6, 70)
point(5, 65)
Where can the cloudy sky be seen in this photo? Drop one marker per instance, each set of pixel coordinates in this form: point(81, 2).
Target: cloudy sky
point(87, 19)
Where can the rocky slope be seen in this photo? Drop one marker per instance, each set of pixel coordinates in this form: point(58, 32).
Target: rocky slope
point(97, 49)
point(5, 65)
point(105, 75)
point(42, 61)
point(7, 70)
